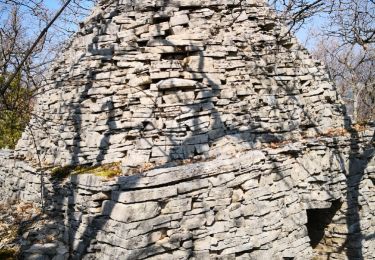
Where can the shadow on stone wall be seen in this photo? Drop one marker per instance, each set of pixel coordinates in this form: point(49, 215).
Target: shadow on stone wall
point(359, 157)
point(84, 229)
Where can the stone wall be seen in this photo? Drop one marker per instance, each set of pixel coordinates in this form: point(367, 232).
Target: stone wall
point(149, 82)
point(255, 205)
point(233, 141)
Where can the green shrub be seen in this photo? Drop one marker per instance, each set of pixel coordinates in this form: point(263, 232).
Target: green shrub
point(15, 111)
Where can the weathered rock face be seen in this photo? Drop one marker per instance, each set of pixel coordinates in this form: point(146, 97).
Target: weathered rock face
point(157, 81)
point(250, 152)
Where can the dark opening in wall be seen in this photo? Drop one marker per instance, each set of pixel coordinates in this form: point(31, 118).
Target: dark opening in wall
point(318, 220)
point(160, 19)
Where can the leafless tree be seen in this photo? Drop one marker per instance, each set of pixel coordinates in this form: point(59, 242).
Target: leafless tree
point(31, 33)
point(353, 21)
point(24, 53)
point(353, 71)
point(345, 41)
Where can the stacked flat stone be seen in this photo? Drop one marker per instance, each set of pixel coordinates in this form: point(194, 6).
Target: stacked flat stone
point(244, 134)
point(252, 207)
point(158, 81)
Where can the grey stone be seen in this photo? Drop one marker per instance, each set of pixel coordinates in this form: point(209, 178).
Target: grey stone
point(176, 83)
point(48, 248)
point(144, 195)
point(36, 257)
point(179, 20)
point(224, 144)
point(130, 212)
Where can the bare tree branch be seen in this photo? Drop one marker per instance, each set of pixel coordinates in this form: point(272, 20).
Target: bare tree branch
point(29, 52)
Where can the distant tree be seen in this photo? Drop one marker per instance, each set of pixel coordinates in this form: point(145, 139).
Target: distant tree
point(351, 21)
point(345, 41)
point(354, 74)
point(14, 112)
point(30, 37)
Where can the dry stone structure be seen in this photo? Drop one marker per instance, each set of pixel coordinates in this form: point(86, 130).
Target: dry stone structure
point(233, 142)
point(157, 81)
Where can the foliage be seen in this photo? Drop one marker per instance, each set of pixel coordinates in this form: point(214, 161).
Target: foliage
point(352, 69)
point(15, 110)
point(25, 57)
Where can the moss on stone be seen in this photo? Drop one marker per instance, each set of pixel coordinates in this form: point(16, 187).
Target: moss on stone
point(62, 172)
point(106, 170)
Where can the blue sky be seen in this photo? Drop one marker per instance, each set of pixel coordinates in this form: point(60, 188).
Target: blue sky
point(312, 25)
point(53, 4)
point(57, 3)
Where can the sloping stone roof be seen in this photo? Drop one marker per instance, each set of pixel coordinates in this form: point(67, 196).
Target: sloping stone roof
point(160, 81)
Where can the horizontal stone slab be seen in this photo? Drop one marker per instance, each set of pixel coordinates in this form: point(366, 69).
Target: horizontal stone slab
point(164, 176)
point(130, 212)
point(176, 83)
point(144, 195)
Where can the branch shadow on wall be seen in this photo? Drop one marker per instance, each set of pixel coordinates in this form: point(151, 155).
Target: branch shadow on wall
point(189, 148)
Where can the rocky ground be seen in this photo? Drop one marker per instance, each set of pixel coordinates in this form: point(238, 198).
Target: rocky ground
point(27, 233)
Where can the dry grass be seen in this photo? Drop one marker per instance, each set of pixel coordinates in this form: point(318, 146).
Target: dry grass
point(9, 253)
point(360, 127)
point(12, 215)
point(334, 132)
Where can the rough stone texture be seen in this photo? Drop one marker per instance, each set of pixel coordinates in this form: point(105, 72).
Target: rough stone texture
point(251, 206)
point(155, 81)
point(234, 143)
